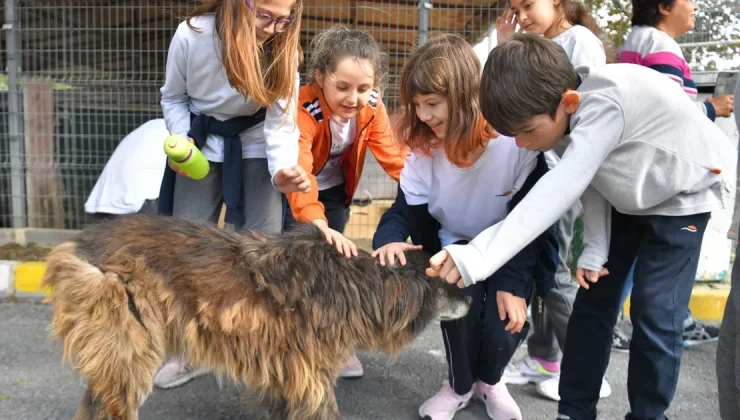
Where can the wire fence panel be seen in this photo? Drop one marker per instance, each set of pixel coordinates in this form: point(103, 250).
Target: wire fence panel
point(79, 75)
point(87, 72)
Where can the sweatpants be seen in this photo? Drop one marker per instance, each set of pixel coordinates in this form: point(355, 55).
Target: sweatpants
point(336, 212)
point(477, 346)
point(728, 351)
point(667, 250)
point(202, 199)
point(550, 314)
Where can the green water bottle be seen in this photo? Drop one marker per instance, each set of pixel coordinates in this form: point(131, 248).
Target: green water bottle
point(186, 156)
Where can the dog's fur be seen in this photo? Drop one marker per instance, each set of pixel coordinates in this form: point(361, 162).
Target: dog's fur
point(281, 314)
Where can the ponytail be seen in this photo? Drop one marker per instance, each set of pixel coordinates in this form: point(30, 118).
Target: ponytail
point(576, 13)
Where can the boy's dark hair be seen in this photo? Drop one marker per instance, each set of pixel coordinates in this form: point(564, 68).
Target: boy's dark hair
point(647, 12)
point(524, 77)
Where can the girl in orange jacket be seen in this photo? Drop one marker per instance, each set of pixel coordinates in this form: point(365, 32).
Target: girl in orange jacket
point(340, 116)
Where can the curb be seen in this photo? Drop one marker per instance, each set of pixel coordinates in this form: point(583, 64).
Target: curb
point(707, 301)
point(24, 279)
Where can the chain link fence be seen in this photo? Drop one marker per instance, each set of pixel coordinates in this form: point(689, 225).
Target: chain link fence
point(80, 75)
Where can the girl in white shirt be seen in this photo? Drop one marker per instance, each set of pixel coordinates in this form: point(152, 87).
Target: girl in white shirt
point(466, 175)
point(231, 85)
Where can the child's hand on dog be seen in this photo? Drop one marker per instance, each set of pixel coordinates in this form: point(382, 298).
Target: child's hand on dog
point(515, 308)
point(344, 245)
point(389, 252)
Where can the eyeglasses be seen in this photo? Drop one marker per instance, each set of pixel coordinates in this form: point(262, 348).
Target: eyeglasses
point(263, 20)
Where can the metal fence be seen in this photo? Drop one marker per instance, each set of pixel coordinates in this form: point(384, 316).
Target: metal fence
point(81, 74)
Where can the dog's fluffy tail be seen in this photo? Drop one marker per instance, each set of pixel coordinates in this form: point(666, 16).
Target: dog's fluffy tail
point(101, 337)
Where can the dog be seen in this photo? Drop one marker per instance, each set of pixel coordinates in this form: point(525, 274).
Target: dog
point(278, 313)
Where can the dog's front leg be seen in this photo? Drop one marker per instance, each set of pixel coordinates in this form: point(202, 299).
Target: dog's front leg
point(327, 410)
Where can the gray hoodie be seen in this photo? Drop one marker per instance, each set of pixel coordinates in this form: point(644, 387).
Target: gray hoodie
point(637, 143)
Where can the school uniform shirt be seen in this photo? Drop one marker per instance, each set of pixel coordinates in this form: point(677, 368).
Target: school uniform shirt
point(582, 46)
point(653, 48)
point(637, 143)
point(319, 147)
point(133, 172)
point(467, 200)
point(196, 81)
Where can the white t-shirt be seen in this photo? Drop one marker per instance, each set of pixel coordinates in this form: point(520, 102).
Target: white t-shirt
point(466, 201)
point(133, 173)
point(582, 46)
point(342, 137)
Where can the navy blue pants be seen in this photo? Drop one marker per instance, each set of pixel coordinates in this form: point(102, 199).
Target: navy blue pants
point(477, 346)
point(667, 250)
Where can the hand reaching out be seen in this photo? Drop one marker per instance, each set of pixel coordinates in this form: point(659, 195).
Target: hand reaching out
point(292, 179)
point(389, 252)
point(344, 245)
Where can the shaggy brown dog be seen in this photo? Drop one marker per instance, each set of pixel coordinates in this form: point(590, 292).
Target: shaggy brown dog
point(278, 313)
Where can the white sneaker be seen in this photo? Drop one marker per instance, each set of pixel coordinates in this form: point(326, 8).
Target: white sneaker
point(527, 370)
point(352, 368)
point(549, 389)
point(176, 372)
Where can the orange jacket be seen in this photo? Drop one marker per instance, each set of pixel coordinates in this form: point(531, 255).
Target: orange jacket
point(373, 130)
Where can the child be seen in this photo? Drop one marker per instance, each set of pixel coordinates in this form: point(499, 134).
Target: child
point(651, 43)
point(650, 167)
point(566, 22)
point(231, 86)
point(569, 24)
point(728, 359)
point(460, 178)
point(340, 116)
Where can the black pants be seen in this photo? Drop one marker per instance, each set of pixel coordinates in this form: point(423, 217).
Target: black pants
point(477, 346)
point(149, 207)
point(335, 211)
point(667, 250)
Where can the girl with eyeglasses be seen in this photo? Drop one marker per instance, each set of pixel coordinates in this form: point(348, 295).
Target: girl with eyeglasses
point(231, 86)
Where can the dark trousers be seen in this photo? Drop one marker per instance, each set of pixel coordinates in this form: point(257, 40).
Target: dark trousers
point(477, 346)
point(336, 212)
point(667, 250)
point(149, 207)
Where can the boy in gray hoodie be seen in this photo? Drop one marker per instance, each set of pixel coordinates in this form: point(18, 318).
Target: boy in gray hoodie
point(649, 169)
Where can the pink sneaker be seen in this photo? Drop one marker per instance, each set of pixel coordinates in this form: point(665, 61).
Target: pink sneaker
point(444, 404)
point(499, 403)
point(352, 369)
point(176, 372)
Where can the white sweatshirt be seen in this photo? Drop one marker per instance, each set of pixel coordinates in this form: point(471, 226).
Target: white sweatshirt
point(645, 149)
point(196, 81)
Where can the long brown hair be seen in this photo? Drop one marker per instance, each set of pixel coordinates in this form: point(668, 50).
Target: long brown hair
point(266, 73)
point(577, 13)
point(448, 66)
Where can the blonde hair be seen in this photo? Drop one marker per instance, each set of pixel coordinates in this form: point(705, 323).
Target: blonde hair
point(266, 73)
point(448, 66)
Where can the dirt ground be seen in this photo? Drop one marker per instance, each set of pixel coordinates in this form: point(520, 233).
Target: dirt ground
point(17, 252)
